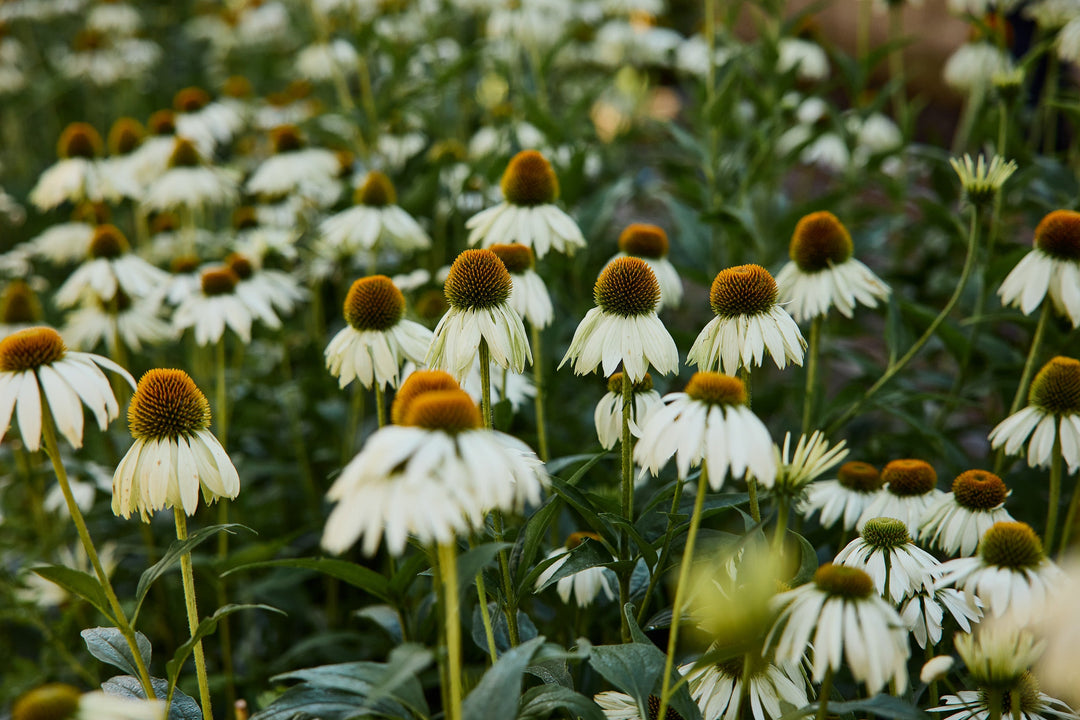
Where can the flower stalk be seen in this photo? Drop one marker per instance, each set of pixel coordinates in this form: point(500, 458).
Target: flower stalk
point(451, 613)
point(188, 577)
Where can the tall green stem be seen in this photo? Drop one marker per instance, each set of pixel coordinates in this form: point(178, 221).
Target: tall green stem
point(538, 401)
point(811, 373)
point(1070, 519)
point(221, 391)
point(188, 577)
point(897, 366)
point(1055, 491)
point(52, 449)
point(681, 588)
point(485, 384)
point(452, 616)
point(380, 404)
point(993, 702)
point(823, 696)
point(783, 512)
point(627, 493)
point(1027, 374)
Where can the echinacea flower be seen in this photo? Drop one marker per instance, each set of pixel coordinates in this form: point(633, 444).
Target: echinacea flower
point(1052, 267)
point(199, 116)
point(823, 272)
point(972, 66)
point(306, 172)
point(376, 339)
point(884, 551)
point(960, 518)
point(190, 182)
point(110, 268)
point(584, 586)
point(839, 616)
point(1010, 573)
point(910, 489)
point(529, 296)
point(748, 322)
point(266, 292)
point(924, 612)
point(773, 689)
point(620, 706)
point(214, 306)
point(132, 321)
point(39, 375)
point(57, 701)
point(528, 214)
point(434, 476)
point(19, 308)
point(980, 180)
point(650, 243)
point(375, 222)
point(174, 454)
point(76, 176)
point(1034, 704)
point(609, 411)
point(709, 422)
point(999, 655)
point(1052, 414)
point(478, 290)
point(70, 241)
point(845, 498)
point(811, 458)
point(623, 328)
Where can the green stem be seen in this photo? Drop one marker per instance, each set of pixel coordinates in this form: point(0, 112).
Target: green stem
point(52, 449)
point(452, 616)
point(538, 402)
point(222, 395)
point(1070, 519)
point(485, 384)
point(665, 550)
point(1055, 491)
point(1027, 374)
point(485, 617)
point(1015, 708)
point(627, 493)
point(928, 654)
point(823, 695)
point(681, 588)
point(1053, 68)
point(993, 702)
point(783, 511)
point(811, 373)
point(380, 404)
point(751, 482)
point(896, 367)
point(193, 614)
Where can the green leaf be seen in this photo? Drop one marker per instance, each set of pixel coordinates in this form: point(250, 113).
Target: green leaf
point(586, 555)
point(496, 695)
point(182, 707)
point(78, 583)
point(588, 512)
point(172, 557)
point(533, 534)
point(886, 706)
point(206, 626)
point(472, 562)
point(306, 701)
point(646, 548)
point(108, 645)
point(399, 680)
point(348, 572)
point(636, 669)
point(808, 563)
point(540, 702)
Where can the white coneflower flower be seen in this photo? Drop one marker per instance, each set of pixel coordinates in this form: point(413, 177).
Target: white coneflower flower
point(806, 58)
point(884, 551)
point(718, 689)
point(528, 214)
point(1010, 573)
point(77, 175)
point(829, 151)
point(189, 182)
point(910, 489)
point(57, 701)
point(198, 116)
point(980, 180)
point(709, 422)
point(960, 518)
point(111, 268)
point(322, 61)
point(433, 476)
point(266, 292)
point(1053, 268)
point(125, 137)
point(1068, 41)
point(650, 243)
point(608, 414)
point(973, 66)
point(936, 668)
point(1000, 654)
point(114, 17)
point(1033, 703)
point(134, 321)
point(70, 241)
point(375, 222)
point(845, 498)
point(623, 327)
point(748, 322)
point(585, 585)
point(175, 454)
point(36, 367)
point(214, 306)
point(823, 273)
point(812, 457)
point(839, 616)
point(20, 308)
point(620, 706)
point(259, 241)
point(478, 289)
point(151, 158)
point(925, 611)
point(310, 173)
point(528, 296)
point(1052, 413)
point(376, 340)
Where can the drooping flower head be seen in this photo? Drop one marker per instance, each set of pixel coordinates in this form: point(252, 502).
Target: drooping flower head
point(377, 339)
point(650, 243)
point(823, 271)
point(608, 414)
point(214, 306)
point(884, 550)
point(189, 181)
point(961, 517)
point(1052, 413)
point(709, 422)
point(76, 176)
point(19, 307)
point(1025, 693)
point(748, 322)
point(1053, 267)
point(910, 488)
point(174, 454)
point(110, 268)
point(529, 295)
point(39, 375)
point(375, 222)
point(845, 497)
point(585, 586)
point(528, 214)
point(478, 290)
point(623, 328)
